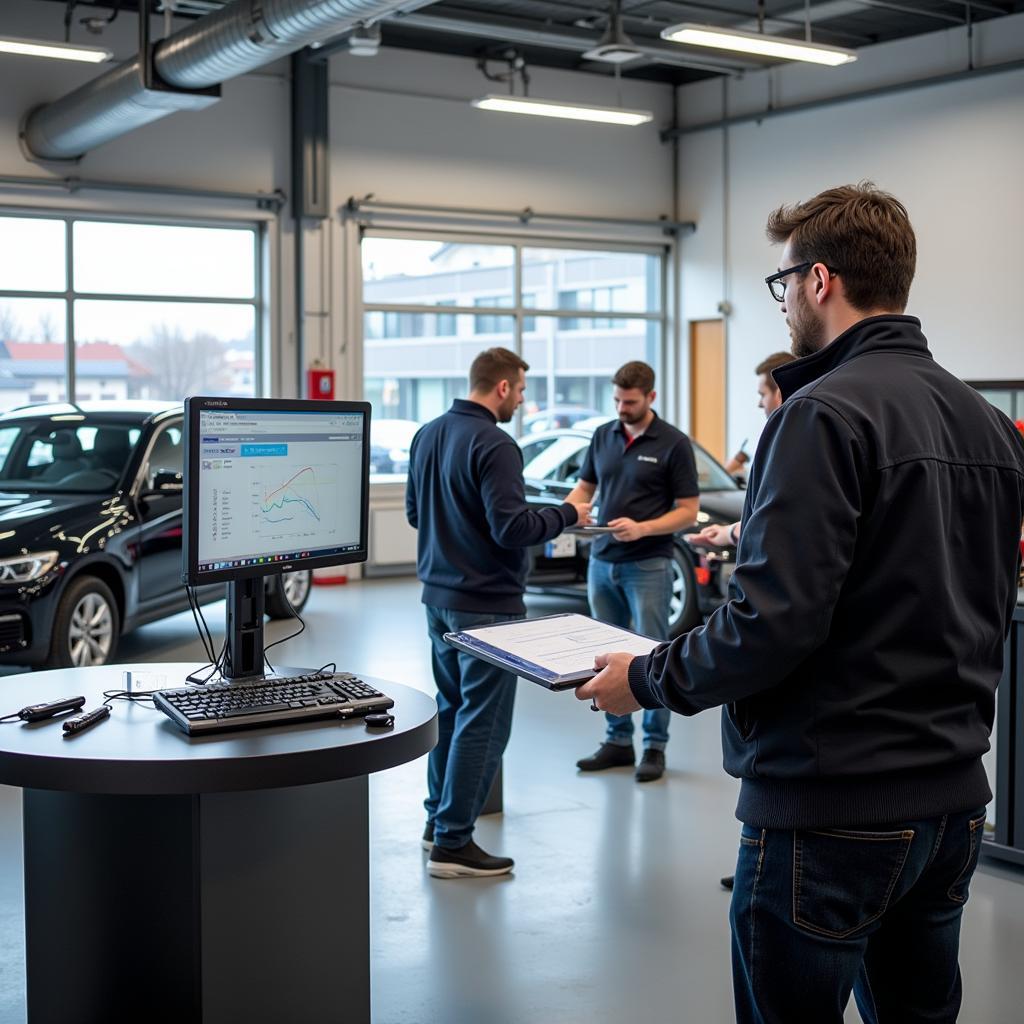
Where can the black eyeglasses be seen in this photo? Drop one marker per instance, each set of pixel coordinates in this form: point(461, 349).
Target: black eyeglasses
point(777, 286)
point(776, 283)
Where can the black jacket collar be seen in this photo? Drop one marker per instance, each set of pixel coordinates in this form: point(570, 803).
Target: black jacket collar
point(889, 333)
point(469, 408)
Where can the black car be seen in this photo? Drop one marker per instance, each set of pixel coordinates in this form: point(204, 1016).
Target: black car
point(700, 578)
point(90, 530)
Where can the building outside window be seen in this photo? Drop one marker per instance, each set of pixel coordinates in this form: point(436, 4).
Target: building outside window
point(152, 311)
point(416, 358)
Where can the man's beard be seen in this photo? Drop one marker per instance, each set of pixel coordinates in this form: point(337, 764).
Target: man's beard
point(632, 418)
point(805, 328)
point(507, 410)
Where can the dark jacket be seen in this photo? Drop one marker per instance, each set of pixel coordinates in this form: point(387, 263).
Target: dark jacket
point(875, 581)
point(466, 498)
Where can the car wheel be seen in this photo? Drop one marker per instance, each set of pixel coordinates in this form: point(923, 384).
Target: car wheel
point(86, 627)
point(288, 593)
point(683, 610)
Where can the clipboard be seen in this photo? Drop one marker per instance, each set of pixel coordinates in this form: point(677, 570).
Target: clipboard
point(555, 651)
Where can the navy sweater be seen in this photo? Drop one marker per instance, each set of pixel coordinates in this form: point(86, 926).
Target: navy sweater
point(875, 581)
point(465, 496)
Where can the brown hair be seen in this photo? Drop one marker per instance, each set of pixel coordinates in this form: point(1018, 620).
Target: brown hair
point(862, 234)
point(492, 366)
point(773, 362)
point(634, 374)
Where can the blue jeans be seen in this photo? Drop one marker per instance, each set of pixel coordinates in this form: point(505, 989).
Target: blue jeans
point(634, 595)
point(818, 913)
point(474, 719)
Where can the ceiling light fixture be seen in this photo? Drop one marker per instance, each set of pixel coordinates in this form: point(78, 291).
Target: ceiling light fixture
point(59, 51)
point(761, 45)
point(614, 47)
point(566, 111)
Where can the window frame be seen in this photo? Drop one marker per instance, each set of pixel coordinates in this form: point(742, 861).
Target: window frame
point(525, 317)
point(70, 295)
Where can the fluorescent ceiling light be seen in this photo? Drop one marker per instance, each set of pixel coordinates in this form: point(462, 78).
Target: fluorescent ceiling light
point(59, 51)
point(761, 45)
point(567, 111)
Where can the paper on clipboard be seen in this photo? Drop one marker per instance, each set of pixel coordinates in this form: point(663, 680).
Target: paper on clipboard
point(556, 651)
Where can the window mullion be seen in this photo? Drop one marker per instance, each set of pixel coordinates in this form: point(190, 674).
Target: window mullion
point(69, 311)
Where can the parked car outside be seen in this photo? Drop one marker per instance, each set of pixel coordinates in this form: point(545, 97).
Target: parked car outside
point(700, 577)
point(556, 418)
point(90, 530)
point(390, 441)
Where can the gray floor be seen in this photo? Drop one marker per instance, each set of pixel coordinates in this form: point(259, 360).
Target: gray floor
point(614, 912)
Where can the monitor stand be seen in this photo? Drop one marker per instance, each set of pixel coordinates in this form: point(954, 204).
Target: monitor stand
point(243, 658)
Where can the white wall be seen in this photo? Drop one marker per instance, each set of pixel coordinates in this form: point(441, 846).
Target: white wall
point(953, 153)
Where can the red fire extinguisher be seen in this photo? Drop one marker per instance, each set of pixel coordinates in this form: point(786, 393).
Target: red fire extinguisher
point(319, 381)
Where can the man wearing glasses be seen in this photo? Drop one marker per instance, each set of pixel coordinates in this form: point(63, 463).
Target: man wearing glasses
point(859, 653)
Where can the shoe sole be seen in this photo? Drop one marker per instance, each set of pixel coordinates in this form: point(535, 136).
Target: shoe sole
point(463, 871)
point(649, 778)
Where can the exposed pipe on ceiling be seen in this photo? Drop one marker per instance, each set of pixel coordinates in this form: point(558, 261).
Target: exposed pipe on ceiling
point(232, 41)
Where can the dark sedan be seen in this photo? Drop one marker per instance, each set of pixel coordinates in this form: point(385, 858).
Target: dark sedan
point(700, 578)
point(90, 530)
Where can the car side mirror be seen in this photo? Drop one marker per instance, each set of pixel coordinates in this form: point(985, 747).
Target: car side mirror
point(165, 482)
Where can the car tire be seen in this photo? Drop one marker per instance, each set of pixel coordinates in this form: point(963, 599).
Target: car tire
point(684, 611)
point(288, 593)
point(87, 625)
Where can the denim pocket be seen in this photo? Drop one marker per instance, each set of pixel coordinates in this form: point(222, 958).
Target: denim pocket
point(652, 564)
point(843, 880)
point(960, 889)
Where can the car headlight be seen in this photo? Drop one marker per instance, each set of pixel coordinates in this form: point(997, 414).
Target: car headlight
point(25, 568)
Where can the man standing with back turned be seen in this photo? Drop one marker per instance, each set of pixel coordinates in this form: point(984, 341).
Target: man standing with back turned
point(861, 646)
point(466, 498)
point(648, 479)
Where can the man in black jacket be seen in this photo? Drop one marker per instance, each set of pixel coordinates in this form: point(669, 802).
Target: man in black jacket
point(860, 649)
point(465, 496)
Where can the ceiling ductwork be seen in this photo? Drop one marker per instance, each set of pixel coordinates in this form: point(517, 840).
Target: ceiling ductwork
point(232, 41)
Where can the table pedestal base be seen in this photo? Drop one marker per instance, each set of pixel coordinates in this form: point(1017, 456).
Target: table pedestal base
point(221, 907)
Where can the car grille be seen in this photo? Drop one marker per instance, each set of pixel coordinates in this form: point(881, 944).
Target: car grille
point(12, 632)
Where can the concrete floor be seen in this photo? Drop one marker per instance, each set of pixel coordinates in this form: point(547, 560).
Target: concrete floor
point(614, 912)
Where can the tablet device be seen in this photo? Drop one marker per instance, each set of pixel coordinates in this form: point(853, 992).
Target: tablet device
point(556, 651)
point(589, 529)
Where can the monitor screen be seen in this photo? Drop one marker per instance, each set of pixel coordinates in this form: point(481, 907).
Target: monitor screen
point(273, 485)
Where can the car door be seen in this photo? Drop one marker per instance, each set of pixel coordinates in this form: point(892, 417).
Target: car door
point(551, 469)
point(158, 500)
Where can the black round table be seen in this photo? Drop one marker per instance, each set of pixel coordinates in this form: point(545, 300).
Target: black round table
point(218, 878)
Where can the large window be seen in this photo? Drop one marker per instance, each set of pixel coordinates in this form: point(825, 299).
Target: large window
point(155, 311)
point(539, 302)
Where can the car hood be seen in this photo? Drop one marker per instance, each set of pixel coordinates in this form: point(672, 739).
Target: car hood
point(72, 522)
point(723, 506)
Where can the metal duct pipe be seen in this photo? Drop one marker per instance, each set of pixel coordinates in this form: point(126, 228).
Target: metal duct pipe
point(238, 38)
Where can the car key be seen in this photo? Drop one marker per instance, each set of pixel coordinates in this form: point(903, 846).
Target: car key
point(77, 723)
point(37, 712)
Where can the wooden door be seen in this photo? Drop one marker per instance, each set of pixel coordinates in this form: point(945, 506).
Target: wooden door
point(707, 385)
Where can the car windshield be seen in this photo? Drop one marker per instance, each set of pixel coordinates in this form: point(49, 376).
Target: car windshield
point(711, 475)
point(559, 456)
point(64, 454)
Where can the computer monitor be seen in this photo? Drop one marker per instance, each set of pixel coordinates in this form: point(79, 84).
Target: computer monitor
point(271, 485)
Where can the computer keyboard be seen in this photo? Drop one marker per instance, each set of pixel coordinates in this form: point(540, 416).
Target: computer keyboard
point(275, 700)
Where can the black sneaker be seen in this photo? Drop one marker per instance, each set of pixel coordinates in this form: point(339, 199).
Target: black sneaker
point(651, 766)
point(727, 882)
point(608, 755)
point(427, 842)
point(467, 861)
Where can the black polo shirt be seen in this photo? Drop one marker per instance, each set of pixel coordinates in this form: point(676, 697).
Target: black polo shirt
point(640, 479)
